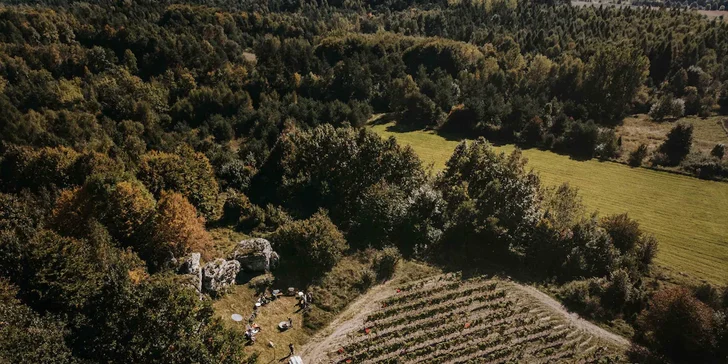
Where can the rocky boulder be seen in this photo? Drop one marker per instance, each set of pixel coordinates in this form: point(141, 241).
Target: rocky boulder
point(219, 274)
point(192, 268)
point(255, 255)
point(191, 265)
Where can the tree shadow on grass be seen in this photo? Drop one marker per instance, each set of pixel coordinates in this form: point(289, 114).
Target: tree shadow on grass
point(385, 119)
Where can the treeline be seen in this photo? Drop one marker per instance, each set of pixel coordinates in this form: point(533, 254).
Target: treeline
point(128, 128)
point(692, 5)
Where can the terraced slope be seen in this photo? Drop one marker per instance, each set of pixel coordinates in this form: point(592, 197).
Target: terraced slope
point(448, 320)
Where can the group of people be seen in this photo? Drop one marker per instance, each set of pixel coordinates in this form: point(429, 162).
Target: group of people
point(304, 300)
point(251, 331)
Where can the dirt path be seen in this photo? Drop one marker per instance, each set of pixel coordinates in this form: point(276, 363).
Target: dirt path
point(573, 318)
point(352, 319)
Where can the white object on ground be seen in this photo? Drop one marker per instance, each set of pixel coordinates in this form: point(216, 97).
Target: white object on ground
point(236, 317)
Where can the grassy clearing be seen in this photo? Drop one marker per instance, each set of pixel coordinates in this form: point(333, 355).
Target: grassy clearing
point(707, 132)
point(241, 300)
point(689, 216)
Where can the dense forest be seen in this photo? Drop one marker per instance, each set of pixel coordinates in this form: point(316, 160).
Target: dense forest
point(130, 128)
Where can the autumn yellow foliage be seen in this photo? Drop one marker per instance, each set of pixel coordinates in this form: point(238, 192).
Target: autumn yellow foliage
point(178, 229)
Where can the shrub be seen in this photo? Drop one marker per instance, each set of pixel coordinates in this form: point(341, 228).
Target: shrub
point(581, 139)
point(638, 155)
point(678, 325)
point(619, 291)
point(315, 245)
point(646, 251)
point(592, 252)
point(263, 219)
point(718, 151)
point(704, 166)
point(386, 262)
point(667, 106)
point(625, 232)
point(237, 173)
point(709, 295)
point(607, 144)
point(678, 143)
point(583, 296)
point(237, 206)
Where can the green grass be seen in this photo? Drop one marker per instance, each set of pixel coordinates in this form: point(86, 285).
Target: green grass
point(688, 216)
point(241, 299)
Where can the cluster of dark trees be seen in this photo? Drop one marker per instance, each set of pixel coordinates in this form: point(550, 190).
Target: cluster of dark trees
point(128, 128)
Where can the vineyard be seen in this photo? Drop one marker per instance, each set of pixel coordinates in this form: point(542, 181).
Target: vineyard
point(449, 320)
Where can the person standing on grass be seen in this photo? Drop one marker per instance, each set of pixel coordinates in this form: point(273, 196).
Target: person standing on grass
point(290, 346)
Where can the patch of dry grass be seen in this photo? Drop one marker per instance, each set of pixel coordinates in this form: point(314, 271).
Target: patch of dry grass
point(707, 132)
point(241, 300)
point(224, 241)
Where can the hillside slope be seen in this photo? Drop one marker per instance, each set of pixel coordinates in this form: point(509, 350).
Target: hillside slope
point(447, 319)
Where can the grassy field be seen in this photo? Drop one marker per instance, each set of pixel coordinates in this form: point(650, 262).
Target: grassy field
point(689, 216)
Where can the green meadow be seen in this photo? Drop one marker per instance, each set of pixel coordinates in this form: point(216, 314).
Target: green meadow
point(688, 216)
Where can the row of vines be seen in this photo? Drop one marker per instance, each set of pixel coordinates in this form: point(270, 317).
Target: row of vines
point(447, 319)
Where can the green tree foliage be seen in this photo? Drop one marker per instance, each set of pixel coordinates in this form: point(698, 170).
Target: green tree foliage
point(625, 232)
point(420, 111)
point(567, 246)
point(667, 106)
point(592, 251)
point(332, 168)
point(28, 337)
point(386, 215)
point(121, 203)
point(120, 124)
point(613, 77)
point(185, 171)
point(380, 212)
point(718, 151)
point(386, 263)
point(315, 245)
point(723, 99)
point(678, 143)
point(638, 155)
point(50, 168)
point(491, 201)
point(581, 139)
